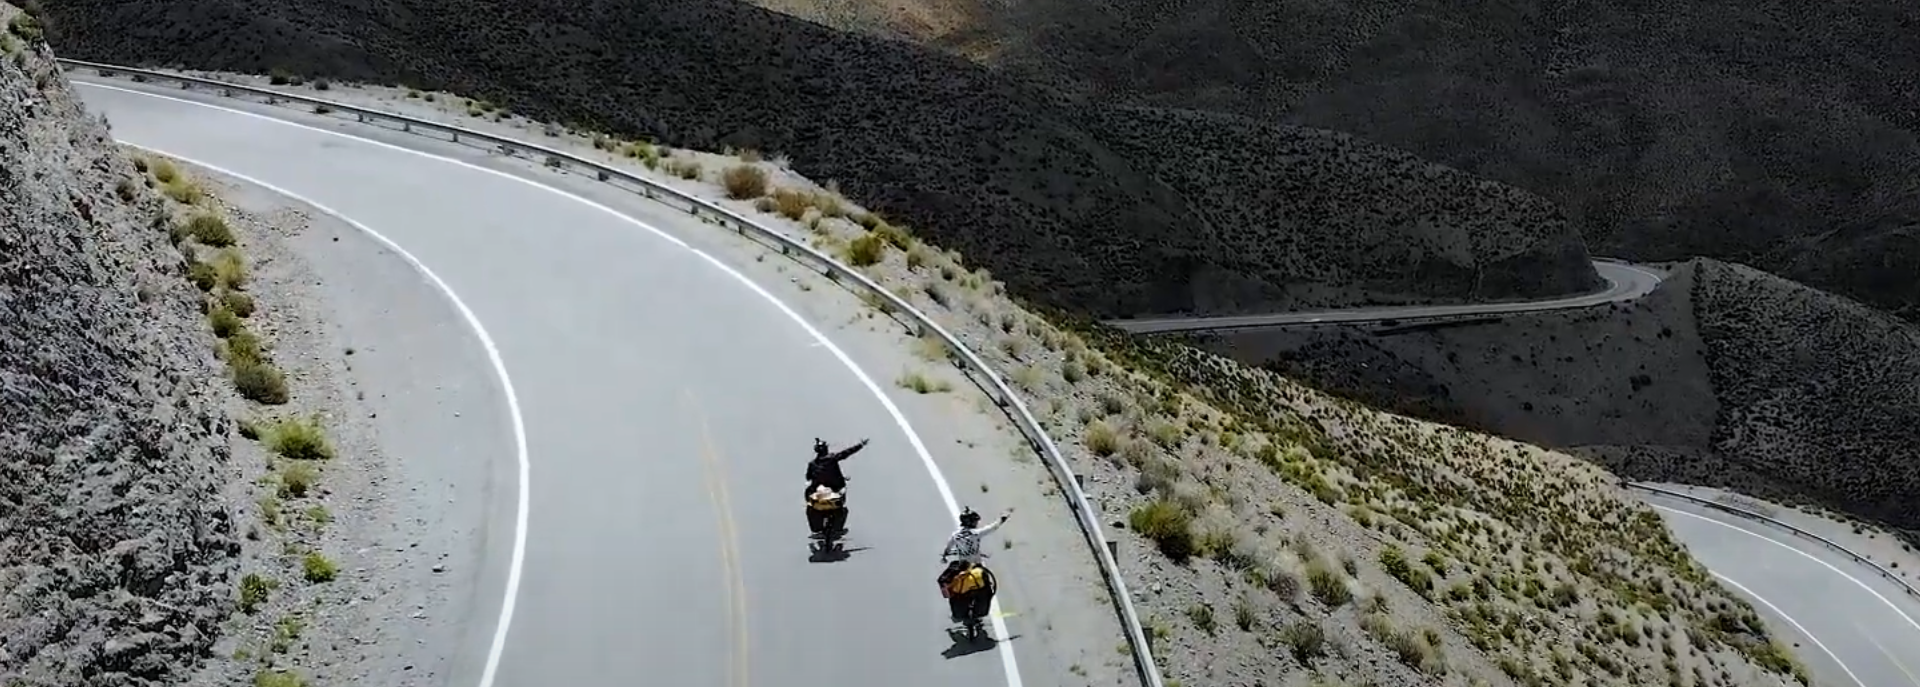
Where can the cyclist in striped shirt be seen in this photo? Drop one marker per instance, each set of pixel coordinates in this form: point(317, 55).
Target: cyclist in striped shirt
point(965, 543)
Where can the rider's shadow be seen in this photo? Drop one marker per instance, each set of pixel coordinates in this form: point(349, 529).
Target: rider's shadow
point(822, 553)
point(967, 647)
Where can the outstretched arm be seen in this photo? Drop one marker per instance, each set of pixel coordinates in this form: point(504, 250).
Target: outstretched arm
point(994, 526)
point(848, 452)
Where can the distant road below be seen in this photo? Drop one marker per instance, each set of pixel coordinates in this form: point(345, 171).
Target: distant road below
point(1625, 282)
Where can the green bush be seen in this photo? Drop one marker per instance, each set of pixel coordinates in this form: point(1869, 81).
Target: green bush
point(253, 592)
point(1168, 525)
point(210, 229)
point(1305, 640)
point(224, 322)
point(202, 275)
point(1395, 563)
point(239, 304)
point(260, 382)
point(1327, 585)
point(297, 477)
point(26, 27)
point(318, 569)
point(243, 348)
point(866, 250)
point(298, 439)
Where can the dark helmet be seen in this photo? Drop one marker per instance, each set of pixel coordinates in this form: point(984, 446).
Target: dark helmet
point(819, 448)
point(968, 518)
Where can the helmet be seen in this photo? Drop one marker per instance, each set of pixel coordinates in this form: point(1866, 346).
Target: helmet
point(968, 518)
point(819, 448)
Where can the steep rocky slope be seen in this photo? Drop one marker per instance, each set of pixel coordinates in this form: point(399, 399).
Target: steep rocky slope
point(116, 549)
point(1725, 375)
point(1074, 204)
point(1772, 133)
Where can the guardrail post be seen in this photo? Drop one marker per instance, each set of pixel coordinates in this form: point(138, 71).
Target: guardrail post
point(406, 126)
point(602, 174)
point(1113, 549)
point(359, 116)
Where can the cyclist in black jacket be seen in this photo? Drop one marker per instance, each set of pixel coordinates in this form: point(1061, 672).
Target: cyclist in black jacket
point(824, 469)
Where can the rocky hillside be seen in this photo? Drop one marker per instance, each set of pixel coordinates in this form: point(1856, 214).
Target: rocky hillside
point(1099, 209)
point(116, 550)
point(1771, 133)
point(1725, 375)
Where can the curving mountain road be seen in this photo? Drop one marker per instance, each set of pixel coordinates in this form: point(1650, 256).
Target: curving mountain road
point(1624, 282)
point(1855, 628)
point(667, 404)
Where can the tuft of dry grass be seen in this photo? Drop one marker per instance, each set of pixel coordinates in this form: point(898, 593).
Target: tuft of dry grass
point(744, 182)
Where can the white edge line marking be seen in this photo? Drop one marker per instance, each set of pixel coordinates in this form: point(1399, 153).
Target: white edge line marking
point(939, 480)
point(1890, 605)
point(499, 369)
point(1796, 625)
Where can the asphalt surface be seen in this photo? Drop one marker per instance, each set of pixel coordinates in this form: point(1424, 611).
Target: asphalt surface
point(668, 410)
point(1854, 628)
point(1624, 282)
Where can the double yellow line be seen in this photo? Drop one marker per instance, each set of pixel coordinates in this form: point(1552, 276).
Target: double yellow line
point(729, 545)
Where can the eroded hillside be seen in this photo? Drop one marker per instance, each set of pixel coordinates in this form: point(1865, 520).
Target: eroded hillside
point(116, 548)
point(1074, 204)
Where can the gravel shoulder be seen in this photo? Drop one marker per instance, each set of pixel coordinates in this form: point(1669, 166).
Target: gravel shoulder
point(398, 511)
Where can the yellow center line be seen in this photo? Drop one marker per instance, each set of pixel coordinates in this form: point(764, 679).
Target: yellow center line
point(1883, 649)
point(729, 544)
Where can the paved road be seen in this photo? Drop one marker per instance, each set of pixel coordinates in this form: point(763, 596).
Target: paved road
point(1624, 282)
point(668, 410)
point(1854, 628)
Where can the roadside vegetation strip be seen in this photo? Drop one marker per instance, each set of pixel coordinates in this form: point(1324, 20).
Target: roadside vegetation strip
point(1520, 553)
point(298, 448)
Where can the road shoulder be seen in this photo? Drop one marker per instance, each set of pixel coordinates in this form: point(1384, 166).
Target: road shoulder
point(380, 360)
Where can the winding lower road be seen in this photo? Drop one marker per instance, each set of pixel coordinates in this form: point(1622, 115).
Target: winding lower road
point(1624, 282)
point(1854, 628)
point(668, 409)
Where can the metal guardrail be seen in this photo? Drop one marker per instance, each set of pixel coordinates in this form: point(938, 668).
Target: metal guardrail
point(1742, 512)
point(990, 381)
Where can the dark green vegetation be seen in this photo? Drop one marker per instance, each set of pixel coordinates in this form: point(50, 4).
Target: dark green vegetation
point(1071, 202)
point(1772, 133)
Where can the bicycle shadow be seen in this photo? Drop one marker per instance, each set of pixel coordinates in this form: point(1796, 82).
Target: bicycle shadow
point(967, 647)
